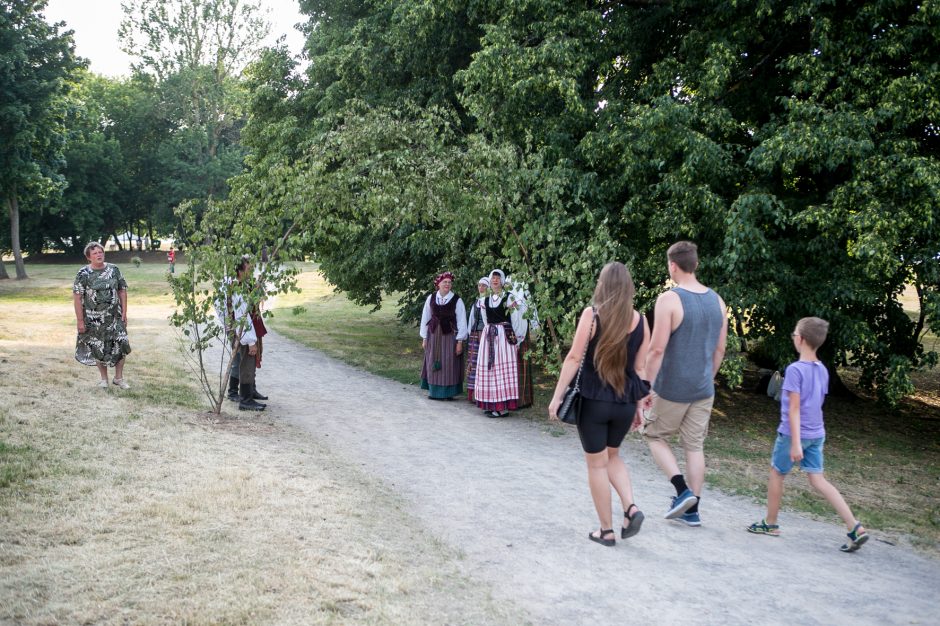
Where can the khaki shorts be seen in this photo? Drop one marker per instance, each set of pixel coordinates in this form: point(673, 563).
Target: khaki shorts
point(689, 419)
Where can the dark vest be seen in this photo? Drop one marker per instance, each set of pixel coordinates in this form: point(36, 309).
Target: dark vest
point(443, 315)
point(498, 314)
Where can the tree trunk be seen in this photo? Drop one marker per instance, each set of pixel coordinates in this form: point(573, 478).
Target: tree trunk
point(3, 271)
point(150, 233)
point(117, 240)
point(14, 209)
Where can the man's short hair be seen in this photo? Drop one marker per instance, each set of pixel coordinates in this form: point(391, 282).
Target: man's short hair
point(684, 254)
point(91, 245)
point(813, 330)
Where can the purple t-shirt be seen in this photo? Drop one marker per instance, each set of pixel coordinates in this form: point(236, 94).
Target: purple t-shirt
point(811, 380)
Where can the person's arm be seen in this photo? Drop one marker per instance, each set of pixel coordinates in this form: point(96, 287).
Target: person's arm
point(425, 318)
point(248, 336)
point(662, 329)
point(796, 447)
point(471, 320)
point(122, 296)
point(79, 312)
point(461, 325)
point(520, 325)
point(719, 354)
point(640, 369)
point(572, 361)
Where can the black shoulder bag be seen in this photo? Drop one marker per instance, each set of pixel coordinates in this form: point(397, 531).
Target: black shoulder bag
point(570, 410)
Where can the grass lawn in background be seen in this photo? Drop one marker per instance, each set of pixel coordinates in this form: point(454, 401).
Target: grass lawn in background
point(886, 462)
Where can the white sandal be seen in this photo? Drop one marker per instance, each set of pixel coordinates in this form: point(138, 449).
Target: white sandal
point(120, 383)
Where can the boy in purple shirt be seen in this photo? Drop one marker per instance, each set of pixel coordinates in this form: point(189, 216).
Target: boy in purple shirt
point(805, 386)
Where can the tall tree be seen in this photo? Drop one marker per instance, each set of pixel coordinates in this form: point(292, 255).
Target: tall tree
point(37, 60)
point(198, 48)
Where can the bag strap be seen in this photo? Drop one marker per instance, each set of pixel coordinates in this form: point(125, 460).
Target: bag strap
point(577, 380)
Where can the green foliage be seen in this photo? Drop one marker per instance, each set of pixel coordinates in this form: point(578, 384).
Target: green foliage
point(37, 61)
point(796, 144)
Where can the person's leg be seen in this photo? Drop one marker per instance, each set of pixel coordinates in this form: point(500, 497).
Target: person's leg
point(103, 371)
point(599, 482)
point(619, 477)
point(592, 430)
point(832, 495)
point(118, 370)
point(774, 495)
point(664, 421)
point(692, 432)
point(246, 380)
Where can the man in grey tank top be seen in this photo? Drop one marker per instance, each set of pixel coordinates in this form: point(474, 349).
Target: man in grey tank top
point(687, 345)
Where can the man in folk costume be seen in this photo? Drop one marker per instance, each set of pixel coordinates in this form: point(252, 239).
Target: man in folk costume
point(497, 377)
point(247, 347)
point(443, 332)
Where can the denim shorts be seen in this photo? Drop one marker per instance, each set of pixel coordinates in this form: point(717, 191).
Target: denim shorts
point(812, 462)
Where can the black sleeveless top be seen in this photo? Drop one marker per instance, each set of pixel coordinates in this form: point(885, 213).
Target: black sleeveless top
point(593, 388)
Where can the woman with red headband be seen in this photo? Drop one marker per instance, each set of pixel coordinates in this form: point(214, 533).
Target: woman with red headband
point(443, 332)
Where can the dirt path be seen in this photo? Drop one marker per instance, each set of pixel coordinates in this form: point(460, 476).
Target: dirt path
point(511, 495)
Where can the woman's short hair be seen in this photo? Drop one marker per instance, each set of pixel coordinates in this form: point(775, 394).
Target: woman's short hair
point(684, 254)
point(91, 245)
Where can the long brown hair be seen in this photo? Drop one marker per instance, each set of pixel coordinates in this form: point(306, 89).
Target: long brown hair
point(613, 298)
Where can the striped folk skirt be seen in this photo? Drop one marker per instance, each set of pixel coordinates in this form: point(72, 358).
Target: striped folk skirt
point(496, 387)
point(442, 372)
point(525, 374)
point(473, 349)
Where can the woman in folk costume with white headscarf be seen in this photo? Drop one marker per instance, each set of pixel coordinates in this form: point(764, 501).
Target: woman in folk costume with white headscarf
point(475, 328)
point(443, 331)
point(496, 388)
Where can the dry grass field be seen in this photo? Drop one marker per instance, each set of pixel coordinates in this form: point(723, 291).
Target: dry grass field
point(137, 507)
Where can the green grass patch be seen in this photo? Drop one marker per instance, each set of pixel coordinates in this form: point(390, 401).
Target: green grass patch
point(375, 341)
point(18, 464)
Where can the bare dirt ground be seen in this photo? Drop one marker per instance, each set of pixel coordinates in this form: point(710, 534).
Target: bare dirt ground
point(511, 496)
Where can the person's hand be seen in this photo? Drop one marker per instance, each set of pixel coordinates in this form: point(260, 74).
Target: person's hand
point(459, 349)
point(253, 349)
point(553, 407)
point(424, 344)
point(124, 317)
point(796, 452)
point(637, 418)
point(81, 327)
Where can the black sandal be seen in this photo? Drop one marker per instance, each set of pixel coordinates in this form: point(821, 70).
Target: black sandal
point(610, 543)
point(636, 522)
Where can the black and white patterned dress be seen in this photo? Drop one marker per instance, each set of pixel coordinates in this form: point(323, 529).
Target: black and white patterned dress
point(105, 336)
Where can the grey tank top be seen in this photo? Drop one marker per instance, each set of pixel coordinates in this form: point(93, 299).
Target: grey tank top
point(686, 372)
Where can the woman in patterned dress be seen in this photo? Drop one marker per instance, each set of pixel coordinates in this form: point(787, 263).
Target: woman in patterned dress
point(475, 327)
point(497, 388)
point(99, 296)
point(443, 331)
